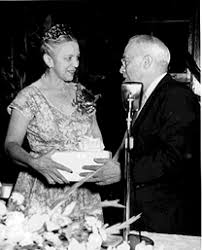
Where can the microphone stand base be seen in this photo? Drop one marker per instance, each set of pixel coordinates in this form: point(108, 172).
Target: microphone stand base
point(135, 239)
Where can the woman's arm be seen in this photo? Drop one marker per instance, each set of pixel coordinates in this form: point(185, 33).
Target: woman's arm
point(13, 147)
point(14, 139)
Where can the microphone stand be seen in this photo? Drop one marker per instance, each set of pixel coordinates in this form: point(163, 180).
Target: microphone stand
point(129, 144)
point(127, 176)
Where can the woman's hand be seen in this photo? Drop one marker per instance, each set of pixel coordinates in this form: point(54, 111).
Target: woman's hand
point(109, 172)
point(49, 168)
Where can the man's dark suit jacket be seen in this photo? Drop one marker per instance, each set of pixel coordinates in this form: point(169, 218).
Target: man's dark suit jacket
point(165, 160)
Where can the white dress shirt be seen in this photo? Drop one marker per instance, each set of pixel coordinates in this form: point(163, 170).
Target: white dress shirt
point(149, 91)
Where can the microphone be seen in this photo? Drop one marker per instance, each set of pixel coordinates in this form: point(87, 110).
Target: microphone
point(132, 94)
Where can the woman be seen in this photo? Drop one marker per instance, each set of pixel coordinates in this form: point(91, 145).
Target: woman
point(52, 113)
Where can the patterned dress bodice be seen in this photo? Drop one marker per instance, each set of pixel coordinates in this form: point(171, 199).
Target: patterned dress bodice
point(49, 128)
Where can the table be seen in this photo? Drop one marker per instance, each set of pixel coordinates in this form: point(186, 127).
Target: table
point(173, 241)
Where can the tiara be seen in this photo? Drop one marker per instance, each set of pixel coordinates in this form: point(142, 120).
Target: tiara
point(56, 31)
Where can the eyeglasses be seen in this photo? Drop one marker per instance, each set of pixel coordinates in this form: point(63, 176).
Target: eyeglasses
point(125, 62)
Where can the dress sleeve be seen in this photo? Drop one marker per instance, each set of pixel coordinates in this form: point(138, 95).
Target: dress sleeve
point(23, 102)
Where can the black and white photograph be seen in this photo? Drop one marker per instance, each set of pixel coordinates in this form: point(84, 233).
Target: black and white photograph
point(100, 136)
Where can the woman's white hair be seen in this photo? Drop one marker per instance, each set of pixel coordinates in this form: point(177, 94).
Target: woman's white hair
point(151, 45)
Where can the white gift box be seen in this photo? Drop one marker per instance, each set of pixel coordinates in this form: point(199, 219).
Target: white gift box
point(76, 160)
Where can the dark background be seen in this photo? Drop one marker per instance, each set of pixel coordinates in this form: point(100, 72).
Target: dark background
point(102, 28)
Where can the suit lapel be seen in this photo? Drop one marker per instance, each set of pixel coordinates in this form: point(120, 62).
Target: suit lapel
point(137, 120)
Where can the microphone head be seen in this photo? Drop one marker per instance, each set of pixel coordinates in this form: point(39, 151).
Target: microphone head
point(134, 91)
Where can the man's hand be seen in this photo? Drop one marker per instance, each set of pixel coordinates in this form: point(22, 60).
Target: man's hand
point(109, 172)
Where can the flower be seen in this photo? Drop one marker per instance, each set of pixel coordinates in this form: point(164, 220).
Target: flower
point(53, 229)
point(85, 100)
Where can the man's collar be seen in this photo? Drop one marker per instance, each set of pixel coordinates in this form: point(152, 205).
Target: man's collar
point(153, 85)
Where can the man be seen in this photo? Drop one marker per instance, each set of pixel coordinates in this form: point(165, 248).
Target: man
point(165, 159)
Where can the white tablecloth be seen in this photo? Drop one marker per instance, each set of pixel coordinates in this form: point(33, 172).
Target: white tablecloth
point(173, 241)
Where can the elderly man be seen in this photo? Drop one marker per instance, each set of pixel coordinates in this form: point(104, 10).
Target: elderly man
point(165, 159)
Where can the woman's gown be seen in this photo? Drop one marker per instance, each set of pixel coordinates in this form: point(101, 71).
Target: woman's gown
point(50, 129)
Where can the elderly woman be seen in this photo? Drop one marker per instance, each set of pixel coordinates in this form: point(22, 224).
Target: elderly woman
point(48, 113)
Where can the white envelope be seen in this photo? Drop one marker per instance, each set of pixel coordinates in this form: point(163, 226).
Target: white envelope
point(75, 160)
